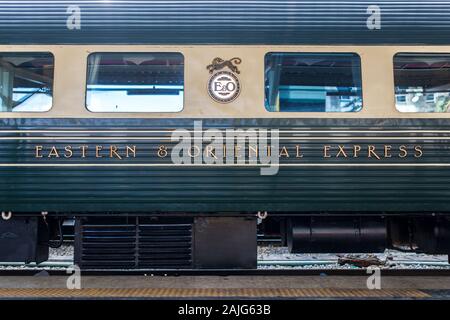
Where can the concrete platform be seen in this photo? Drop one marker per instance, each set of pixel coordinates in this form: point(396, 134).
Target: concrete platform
point(289, 287)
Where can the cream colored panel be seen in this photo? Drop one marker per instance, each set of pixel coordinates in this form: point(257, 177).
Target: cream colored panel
point(377, 83)
point(377, 76)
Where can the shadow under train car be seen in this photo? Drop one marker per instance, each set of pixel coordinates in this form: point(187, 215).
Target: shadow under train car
point(137, 242)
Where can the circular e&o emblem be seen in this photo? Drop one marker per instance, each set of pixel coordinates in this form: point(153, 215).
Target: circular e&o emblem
point(224, 87)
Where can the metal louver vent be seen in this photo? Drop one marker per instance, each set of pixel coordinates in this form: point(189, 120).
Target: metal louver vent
point(133, 243)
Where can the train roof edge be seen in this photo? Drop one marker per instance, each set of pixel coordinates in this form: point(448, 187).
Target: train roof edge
point(284, 22)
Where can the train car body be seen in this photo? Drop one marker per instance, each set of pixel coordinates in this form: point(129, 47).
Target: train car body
point(173, 130)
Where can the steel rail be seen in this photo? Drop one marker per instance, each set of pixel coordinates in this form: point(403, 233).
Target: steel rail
point(66, 263)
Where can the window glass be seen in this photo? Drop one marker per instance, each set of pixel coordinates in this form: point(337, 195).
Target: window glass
point(135, 82)
point(313, 82)
point(26, 81)
point(422, 82)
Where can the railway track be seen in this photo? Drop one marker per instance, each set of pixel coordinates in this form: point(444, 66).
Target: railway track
point(265, 267)
point(65, 263)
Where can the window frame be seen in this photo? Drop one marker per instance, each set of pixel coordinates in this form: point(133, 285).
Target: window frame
point(134, 112)
point(360, 74)
point(52, 86)
point(416, 53)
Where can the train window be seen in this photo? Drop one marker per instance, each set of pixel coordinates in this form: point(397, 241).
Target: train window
point(135, 82)
point(313, 82)
point(422, 81)
point(26, 81)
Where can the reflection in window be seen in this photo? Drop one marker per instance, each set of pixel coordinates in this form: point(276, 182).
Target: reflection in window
point(313, 82)
point(26, 82)
point(135, 82)
point(422, 82)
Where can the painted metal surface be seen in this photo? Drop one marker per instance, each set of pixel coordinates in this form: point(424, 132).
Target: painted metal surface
point(149, 183)
point(225, 22)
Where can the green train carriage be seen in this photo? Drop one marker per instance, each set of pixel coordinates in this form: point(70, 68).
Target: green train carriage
point(350, 115)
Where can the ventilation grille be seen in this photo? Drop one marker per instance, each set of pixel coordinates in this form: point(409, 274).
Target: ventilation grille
point(133, 243)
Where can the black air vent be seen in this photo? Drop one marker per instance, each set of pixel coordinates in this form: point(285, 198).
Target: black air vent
point(133, 243)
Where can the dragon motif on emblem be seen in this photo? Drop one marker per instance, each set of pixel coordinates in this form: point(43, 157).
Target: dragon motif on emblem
point(219, 63)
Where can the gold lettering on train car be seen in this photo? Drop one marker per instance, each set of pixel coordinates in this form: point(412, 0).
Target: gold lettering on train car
point(131, 150)
point(97, 151)
point(253, 149)
point(378, 152)
point(371, 152)
point(356, 150)
point(326, 149)
point(194, 152)
point(403, 152)
point(237, 151)
point(162, 151)
point(83, 151)
point(113, 152)
point(418, 152)
point(53, 153)
point(68, 152)
point(341, 152)
point(38, 153)
point(387, 151)
point(298, 153)
point(284, 152)
point(210, 152)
